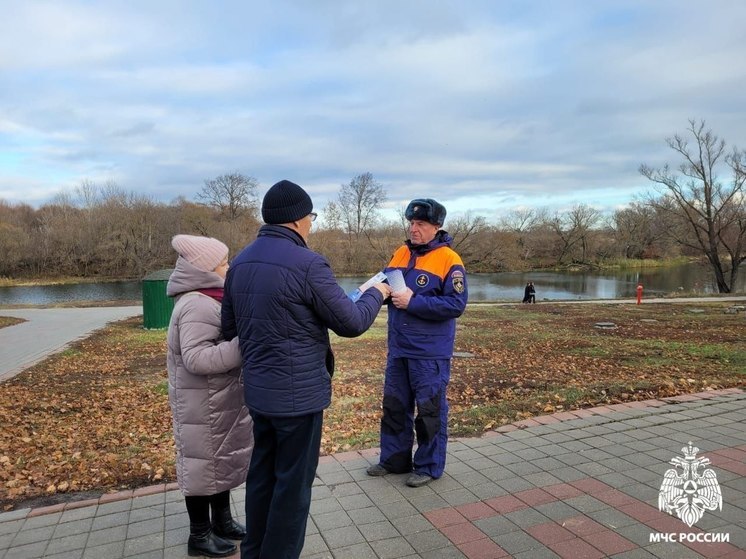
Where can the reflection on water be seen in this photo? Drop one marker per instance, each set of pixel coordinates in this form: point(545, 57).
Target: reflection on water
point(692, 278)
point(50, 294)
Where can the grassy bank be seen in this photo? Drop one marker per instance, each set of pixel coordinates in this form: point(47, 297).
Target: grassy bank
point(642, 263)
point(9, 321)
point(66, 280)
point(96, 417)
point(623, 264)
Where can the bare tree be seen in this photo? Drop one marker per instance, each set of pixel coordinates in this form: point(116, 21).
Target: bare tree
point(15, 241)
point(359, 202)
point(573, 231)
point(137, 236)
point(583, 220)
point(474, 240)
point(103, 230)
point(87, 193)
point(634, 230)
point(465, 227)
point(402, 222)
point(522, 223)
point(233, 195)
point(332, 216)
point(193, 218)
point(712, 215)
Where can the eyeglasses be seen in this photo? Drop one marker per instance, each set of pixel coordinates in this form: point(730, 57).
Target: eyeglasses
point(313, 216)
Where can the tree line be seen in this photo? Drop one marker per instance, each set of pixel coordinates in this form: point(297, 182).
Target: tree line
point(102, 230)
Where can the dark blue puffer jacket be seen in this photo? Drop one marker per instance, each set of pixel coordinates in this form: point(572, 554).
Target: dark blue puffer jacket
point(280, 298)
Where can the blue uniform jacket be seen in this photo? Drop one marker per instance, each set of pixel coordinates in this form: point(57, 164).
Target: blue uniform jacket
point(280, 298)
point(426, 329)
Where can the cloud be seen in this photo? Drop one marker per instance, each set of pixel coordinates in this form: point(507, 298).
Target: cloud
point(71, 35)
point(485, 105)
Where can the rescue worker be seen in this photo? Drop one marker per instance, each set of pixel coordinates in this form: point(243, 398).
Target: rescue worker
point(421, 333)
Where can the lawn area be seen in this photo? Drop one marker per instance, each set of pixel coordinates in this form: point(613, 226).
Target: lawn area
point(9, 321)
point(96, 418)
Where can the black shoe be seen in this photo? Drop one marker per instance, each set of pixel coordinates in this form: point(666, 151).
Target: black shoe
point(377, 470)
point(418, 480)
point(225, 527)
point(203, 541)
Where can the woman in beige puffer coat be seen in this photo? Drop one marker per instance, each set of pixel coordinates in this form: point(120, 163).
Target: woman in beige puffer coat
point(212, 427)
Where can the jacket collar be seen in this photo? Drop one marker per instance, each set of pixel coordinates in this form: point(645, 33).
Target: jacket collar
point(279, 231)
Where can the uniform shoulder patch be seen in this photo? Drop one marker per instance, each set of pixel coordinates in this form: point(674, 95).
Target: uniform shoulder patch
point(457, 279)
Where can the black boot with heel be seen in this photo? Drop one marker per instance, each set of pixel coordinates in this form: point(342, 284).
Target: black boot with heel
point(204, 541)
point(224, 526)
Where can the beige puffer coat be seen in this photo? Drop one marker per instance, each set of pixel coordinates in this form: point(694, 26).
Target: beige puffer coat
point(212, 426)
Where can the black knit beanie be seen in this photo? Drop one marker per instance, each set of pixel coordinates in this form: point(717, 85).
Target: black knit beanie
point(285, 202)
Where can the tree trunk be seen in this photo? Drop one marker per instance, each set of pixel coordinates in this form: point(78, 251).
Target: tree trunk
point(717, 267)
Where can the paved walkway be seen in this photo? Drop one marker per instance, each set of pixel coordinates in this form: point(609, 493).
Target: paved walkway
point(47, 331)
point(580, 484)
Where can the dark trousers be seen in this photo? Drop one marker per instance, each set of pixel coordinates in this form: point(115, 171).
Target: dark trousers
point(278, 485)
point(422, 382)
point(198, 506)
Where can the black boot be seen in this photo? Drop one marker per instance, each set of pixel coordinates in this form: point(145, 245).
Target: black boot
point(203, 541)
point(224, 526)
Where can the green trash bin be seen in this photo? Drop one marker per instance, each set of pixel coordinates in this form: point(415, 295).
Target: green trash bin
point(156, 305)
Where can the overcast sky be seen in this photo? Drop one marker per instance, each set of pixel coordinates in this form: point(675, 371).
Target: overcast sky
point(487, 106)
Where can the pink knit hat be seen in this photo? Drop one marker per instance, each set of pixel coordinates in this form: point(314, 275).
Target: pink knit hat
point(204, 253)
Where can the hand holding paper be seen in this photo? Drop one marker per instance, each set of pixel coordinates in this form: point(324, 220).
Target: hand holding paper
point(402, 298)
point(378, 278)
point(396, 280)
point(384, 288)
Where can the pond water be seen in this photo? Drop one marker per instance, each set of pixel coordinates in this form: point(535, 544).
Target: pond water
point(692, 278)
point(50, 294)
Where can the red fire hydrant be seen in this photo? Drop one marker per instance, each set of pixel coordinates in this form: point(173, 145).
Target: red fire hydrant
point(639, 293)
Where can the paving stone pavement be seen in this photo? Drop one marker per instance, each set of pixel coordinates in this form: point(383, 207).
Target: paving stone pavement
point(580, 484)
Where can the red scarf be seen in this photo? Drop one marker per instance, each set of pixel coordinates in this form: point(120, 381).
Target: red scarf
point(214, 292)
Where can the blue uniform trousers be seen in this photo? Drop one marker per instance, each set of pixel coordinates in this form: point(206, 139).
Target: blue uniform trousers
point(278, 485)
point(422, 382)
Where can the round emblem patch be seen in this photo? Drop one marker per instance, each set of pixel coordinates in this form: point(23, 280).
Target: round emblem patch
point(422, 280)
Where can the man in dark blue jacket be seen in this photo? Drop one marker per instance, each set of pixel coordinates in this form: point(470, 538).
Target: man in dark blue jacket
point(280, 299)
point(422, 330)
